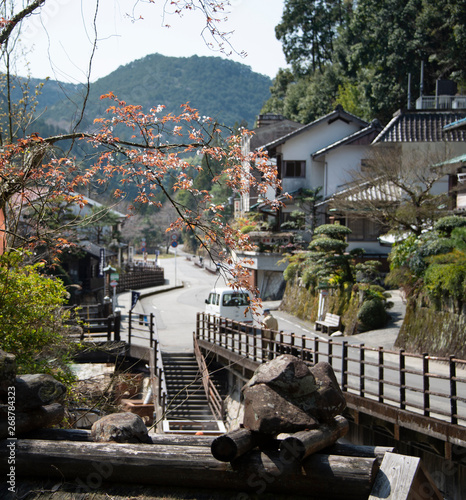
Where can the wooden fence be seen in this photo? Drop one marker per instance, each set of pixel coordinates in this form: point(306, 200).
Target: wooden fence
point(139, 277)
point(427, 385)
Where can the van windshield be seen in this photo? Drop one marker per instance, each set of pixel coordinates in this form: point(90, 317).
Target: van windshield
point(235, 299)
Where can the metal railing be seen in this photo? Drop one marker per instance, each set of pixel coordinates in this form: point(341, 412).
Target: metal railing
point(213, 396)
point(141, 327)
point(427, 385)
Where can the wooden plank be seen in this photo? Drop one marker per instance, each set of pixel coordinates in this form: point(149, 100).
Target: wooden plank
point(403, 478)
point(319, 476)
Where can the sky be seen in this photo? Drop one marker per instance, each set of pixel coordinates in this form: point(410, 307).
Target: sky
point(59, 38)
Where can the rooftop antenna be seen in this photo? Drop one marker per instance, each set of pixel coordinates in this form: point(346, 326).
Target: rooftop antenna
point(421, 88)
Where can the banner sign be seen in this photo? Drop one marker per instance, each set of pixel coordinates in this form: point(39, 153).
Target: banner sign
point(134, 299)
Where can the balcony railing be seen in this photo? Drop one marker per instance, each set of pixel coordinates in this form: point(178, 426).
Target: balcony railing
point(441, 102)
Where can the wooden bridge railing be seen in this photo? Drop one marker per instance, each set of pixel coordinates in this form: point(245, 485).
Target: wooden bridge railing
point(425, 385)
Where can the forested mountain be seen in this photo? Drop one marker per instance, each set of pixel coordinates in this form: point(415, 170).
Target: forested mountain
point(361, 55)
point(227, 91)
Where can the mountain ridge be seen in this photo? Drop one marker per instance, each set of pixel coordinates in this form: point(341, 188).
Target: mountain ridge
point(227, 91)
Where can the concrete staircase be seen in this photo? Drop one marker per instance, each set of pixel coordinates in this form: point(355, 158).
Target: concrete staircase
point(186, 400)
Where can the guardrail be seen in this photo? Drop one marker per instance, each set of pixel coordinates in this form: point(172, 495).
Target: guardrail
point(93, 327)
point(139, 326)
point(143, 327)
point(213, 397)
point(427, 385)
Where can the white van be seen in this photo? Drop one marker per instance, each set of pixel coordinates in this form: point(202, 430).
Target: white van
point(229, 303)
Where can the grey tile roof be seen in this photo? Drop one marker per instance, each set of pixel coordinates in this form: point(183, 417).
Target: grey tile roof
point(423, 126)
point(337, 113)
point(372, 128)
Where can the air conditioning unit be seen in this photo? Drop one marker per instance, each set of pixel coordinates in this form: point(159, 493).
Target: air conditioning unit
point(462, 178)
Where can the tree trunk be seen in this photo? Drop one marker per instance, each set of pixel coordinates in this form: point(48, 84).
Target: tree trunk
point(301, 444)
point(90, 464)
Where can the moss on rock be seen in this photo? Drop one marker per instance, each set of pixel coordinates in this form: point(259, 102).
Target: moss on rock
point(440, 333)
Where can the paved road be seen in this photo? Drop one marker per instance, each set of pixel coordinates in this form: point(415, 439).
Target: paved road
point(175, 316)
point(175, 310)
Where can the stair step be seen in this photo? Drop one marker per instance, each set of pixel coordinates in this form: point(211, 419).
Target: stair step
point(186, 397)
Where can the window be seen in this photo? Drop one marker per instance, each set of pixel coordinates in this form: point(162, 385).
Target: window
point(294, 168)
point(363, 229)
point(235, 299)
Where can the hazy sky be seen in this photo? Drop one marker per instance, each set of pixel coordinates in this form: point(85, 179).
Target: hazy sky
point(62, 33)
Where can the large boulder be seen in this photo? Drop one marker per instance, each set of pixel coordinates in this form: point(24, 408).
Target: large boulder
point(285, 395)
point(7, 372)
point(34, 391)
point(267, 412)
point(120, 428)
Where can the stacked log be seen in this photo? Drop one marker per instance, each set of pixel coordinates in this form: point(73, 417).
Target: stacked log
point(286, 396)
point(27, 402)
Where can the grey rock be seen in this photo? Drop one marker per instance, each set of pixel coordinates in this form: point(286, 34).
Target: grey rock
point(329, 400)
point(33, 391)
point(120, 428)
point(267, 412)
point(286, 374)
point(7, 371)
point(285, 395)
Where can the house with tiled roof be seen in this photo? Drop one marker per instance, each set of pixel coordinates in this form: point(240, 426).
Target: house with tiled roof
point(320, 154)
point(438, 133)
point(432, 137)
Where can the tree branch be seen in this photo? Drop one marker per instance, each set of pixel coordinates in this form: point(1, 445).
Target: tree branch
point(12, 23)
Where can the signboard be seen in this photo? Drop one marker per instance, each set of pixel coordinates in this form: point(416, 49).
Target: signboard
point(114, 283)
point(174, 244)
point(101, 262)
point(114, 276)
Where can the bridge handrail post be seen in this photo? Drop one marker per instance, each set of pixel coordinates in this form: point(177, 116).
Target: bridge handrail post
point(117, 327)
point(426, 383)
point(281, 346)
point(402, 365)
point(362, 370)
point(155, 348)
point(316, 350)
point(198, 328)
point(130, 327)
point(330, 352)
point(254, 347)
point(453, 391)
point(381, 372)
point(151, 329)
point(214, 330)
point(292, 350)
point(109, 327)
point(344, 364)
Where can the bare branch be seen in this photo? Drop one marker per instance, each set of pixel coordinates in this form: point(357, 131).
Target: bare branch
point(15, 20)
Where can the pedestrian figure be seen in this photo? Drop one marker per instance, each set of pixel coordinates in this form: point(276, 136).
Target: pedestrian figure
point(268, 334)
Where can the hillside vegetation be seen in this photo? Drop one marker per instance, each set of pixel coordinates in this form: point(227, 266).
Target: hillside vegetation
point(227, 91)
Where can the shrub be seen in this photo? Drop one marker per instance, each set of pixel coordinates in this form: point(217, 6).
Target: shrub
point(372, 314)
point(333, 231)
point(32, 319)
point(446, 225)
point(325, 244)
